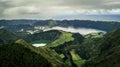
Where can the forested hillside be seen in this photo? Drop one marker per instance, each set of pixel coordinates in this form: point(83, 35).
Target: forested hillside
point(22, 54)
point(62, 49)
point(109, 51)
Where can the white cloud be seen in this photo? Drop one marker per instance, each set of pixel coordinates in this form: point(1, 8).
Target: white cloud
point(114, 11)
point(83, 31)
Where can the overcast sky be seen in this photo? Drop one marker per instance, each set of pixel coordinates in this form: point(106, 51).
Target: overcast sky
point(52, 9)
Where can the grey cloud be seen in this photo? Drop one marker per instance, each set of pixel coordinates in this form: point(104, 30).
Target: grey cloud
point(51, 8)
point(3, 5)
point(94, 4)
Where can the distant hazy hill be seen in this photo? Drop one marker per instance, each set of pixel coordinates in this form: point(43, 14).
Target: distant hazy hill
point(15, 25)
point(22, 54)
point(101, 25)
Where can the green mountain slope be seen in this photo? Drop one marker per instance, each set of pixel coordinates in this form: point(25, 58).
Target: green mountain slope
point(43, 37)
point(76, 58)
point(22, 54)
point(64, 50)
point(7, 37)
point(109, 55)
point(52, 37)
point(75, 52)
point(90, 44)
point(64, 37)
point(92, 50)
